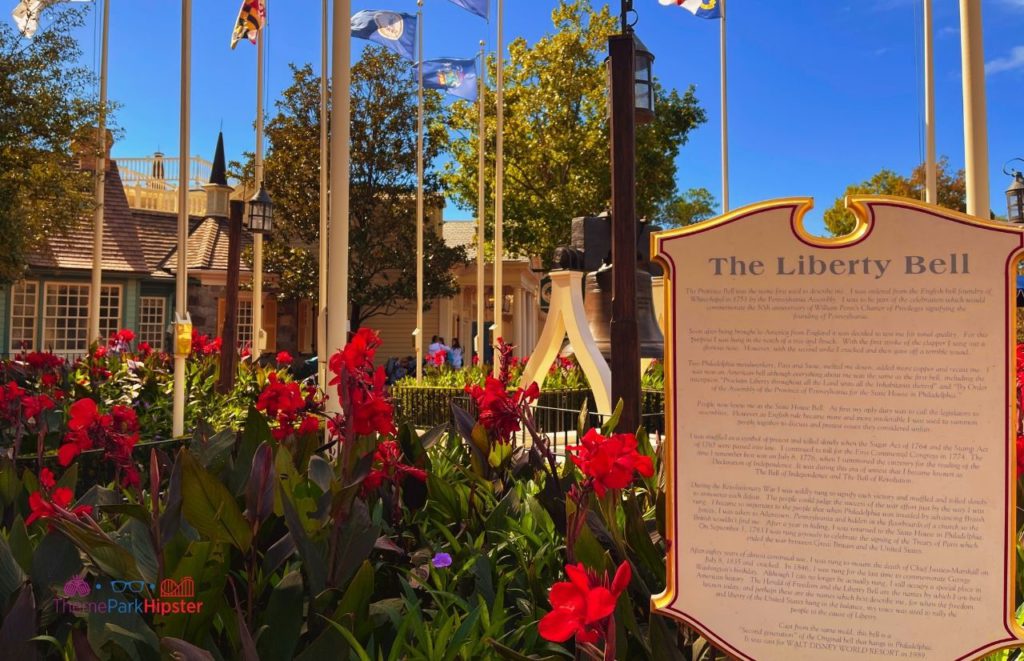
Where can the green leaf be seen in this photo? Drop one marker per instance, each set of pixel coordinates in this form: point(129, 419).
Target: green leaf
point(284, 616)
point(353, 609)
point(500, 452)
point(55, 561)
point(353, 643)
point(210, 507)
point(357, 539)
point(321, 472)
point(255, 431)
point(512, 655)
point(19, 627)
point(206, 564)
point(313, 560)
point(21, 546)
point(11, 575)
point(70, 477)
point(107, 555)
point(184, 651)
point(611, 423)
point(10, 485)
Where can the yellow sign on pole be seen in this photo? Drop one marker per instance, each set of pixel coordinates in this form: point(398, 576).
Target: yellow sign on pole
point(183, 336)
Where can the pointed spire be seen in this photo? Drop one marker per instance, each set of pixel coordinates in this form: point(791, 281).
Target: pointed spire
point(218, 173)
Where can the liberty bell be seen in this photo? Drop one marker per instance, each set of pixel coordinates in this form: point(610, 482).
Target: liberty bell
point(591, 237)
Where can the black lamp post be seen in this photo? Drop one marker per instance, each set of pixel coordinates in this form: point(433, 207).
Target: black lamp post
point(261, 212)
point(631, 86)
point(1015, 194)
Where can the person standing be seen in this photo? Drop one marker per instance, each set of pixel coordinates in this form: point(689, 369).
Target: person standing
point(455, 355)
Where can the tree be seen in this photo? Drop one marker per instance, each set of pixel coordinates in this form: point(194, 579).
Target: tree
point(951, 188)
point(44, 107)
point(688, 207)
point(382, 202)
point(556, 135)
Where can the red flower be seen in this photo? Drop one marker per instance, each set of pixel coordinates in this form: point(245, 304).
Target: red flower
point(371, 411)
point(500, 414)
point(284, 358)
point(116, 433)
point(357, 356)
point(122, 338)
point(100, 352)
point(203, 345)
point(46, 478)
point(33, 405)
point(438, 358)
point(583, 605)
point(609, 462)
point(40, 361)
point(48, 501)
point(1020, 455)
point(284, 402)
point(145, 350)
point(388, 467)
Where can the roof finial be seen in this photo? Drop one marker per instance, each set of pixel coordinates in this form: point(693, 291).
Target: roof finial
point(218, 173)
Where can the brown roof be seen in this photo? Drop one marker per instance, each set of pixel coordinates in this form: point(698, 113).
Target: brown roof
point(137, 241)
point(463, 233)
point(122, 244)
point(207, 246)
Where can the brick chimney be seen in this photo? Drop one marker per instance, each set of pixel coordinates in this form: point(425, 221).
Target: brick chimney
point(85, 149)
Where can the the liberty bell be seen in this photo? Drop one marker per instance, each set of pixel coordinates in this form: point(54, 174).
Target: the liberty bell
point(591, 239)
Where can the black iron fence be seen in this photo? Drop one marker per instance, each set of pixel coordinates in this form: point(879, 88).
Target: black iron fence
point(557, 412)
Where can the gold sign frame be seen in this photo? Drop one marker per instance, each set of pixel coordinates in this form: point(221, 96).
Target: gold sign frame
point(862, 206)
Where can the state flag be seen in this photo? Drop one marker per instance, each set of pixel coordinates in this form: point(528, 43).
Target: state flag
point(699, 8)
point(391, 29)
point(455, 76)
point(26, 16)
point(250, 21)
point(478, 7)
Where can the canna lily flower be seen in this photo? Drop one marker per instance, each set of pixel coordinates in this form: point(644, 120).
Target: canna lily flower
point(582, 606)
point(609, 462)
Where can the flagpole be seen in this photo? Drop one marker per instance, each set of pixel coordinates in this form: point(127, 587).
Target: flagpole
point(725, 120)
point(181, 276)
point(499, 187)
point(931, 184)
point(481, 213)
point(419, 198)
point(321, 313)
point(257, 237)
point(101, 177)
point(975, 129)
point(337, 235)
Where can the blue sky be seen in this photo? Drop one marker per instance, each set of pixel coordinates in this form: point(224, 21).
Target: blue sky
point(821, 94)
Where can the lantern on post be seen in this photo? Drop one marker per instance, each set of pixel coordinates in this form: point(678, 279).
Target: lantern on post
point(1015, 194)
point(260, 218)
point(643, 69)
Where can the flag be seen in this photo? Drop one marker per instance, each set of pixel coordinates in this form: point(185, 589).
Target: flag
point(478, 7)
point(457, 77)
point(251, 17)
point(26, 16)
point(699, 8)
point(390, 29)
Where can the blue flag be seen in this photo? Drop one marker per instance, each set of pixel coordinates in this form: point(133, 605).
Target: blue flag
point(457, 77)
point(390, 29)
point(478, 7)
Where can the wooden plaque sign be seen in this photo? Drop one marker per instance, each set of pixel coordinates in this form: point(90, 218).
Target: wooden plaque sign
point(841, 460)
